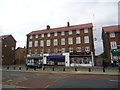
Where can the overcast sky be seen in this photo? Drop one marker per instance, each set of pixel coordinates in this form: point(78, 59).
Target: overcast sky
point(19, 17)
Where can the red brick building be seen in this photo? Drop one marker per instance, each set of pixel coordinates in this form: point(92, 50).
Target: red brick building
point(7, 49)
point(111, 43)
point(77, 40)
point(20, 55)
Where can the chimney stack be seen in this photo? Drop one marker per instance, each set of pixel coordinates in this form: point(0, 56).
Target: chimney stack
point(68, 24)
point(48, 27)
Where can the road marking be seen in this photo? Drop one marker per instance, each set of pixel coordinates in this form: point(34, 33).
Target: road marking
point(114, 80)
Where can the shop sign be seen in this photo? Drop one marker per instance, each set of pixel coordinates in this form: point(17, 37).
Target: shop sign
point(80, 53)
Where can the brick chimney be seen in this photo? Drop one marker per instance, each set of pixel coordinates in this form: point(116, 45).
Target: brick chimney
point(68, 24)
point(48, 27)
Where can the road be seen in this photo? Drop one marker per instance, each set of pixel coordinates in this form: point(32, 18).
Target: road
point(17, 79)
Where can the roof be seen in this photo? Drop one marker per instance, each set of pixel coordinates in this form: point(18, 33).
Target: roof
point(4, 36)
point(88, 25)
point(112, 28)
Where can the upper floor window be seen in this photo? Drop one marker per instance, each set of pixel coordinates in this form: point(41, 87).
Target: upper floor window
point(55, 34)
point(70, 49)
point(86, 39)
point(42, 43)
point(30, 43)
point(55, 42)
point(77, 31)
point(48, 50)
point(113, 45)
point(62, 33)
point(48, 35)
point(70, 40)
point(30, 36)
point(36, 43)
point(63, 49)
point(70, 32)
point(35, 51)
point(87, 49)
point(30, 52)
point(41, 50)
point(85, 30)
point(63, 41)
point(36, 36)
point(112, 35)
point(48, 42)
point(42, 35)
point(56, 50)
point(78, 40)
point(78, 49)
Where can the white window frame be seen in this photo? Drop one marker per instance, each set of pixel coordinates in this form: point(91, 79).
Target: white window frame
point(86, 39)
point(63, 33)
point(63, 41)
point(48, 42)
point(70, 32)
point(55, 42)
point(30, 36)
point(78, 31)
point(63, 50)
point(85, 30)
point(55, 50)
point(78, 40)
point(30, 43)
point(70, 49)
point(36, 44)
point(48, 34)
point(112, 35)
point(55, 34)
point(78, 49)
point(113, 45)
point(36, 36)
point(87, 49)
point(70, 40)
point(42, 35)
point(41, 43)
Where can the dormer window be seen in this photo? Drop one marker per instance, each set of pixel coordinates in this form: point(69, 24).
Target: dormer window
point(55, 34)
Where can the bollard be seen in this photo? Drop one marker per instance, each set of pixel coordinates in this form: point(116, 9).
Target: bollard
point(27, 68)
point(14, 68)
point(63, 69)
point(19, 68)
point(103, 69)
point(75, 69)
point(53, 68)
point(7, 67)
point(89, 70)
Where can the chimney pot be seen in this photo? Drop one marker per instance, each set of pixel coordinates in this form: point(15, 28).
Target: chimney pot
point(48, 27)
point(68, 24)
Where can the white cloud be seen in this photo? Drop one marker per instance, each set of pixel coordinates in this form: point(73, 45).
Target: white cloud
point(19, 17)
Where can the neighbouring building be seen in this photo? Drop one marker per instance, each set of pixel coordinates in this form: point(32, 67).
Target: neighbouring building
point(7, 49)
point(111, 43)
point(68, 46)
point(20, 55)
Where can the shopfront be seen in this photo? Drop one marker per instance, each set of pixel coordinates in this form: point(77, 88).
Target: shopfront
point(81, 59)
point(56, 59)
point(115, 54)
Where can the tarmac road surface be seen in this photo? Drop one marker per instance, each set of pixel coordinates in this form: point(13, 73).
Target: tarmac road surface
point(17, 79)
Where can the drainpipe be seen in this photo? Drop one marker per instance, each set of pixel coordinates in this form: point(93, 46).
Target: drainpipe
point(92, 56)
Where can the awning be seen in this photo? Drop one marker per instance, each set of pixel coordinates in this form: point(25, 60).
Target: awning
point(62, 57)
point(34, 57)
point(115, 52)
